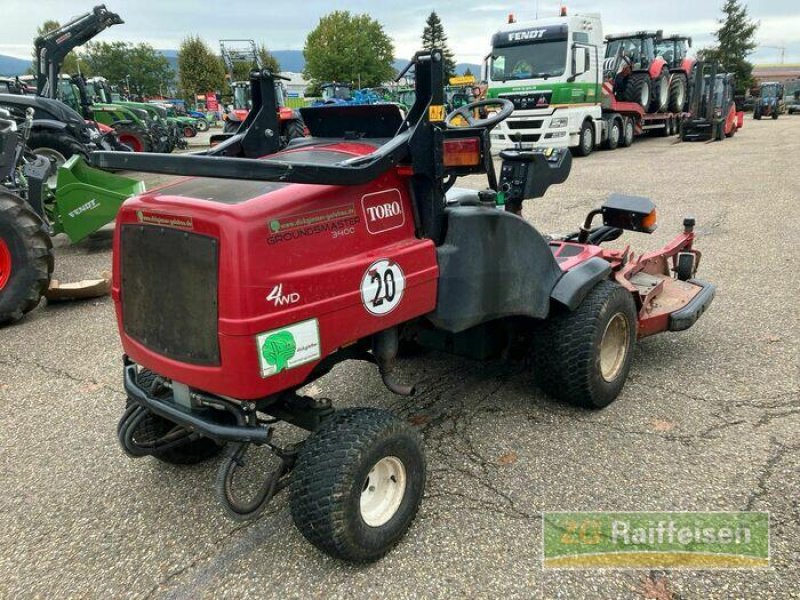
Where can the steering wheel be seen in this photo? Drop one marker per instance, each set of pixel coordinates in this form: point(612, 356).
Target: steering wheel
point(465, 112)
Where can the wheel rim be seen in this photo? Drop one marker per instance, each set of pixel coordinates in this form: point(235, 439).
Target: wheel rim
point(383, 491)
point(587, 140)
point(188, 132)
point(132, 141)
point(5, 264)
point(57, 157)
point(663, 92)
point(615, 134)
point(614, 347)
point(645, 99)
point(629, 131)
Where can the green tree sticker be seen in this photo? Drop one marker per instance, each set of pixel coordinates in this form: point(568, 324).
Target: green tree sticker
point(278, 349)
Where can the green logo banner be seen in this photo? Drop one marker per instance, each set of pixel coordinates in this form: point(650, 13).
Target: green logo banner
point(641, 540)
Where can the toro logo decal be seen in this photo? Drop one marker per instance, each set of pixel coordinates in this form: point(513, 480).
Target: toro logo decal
point(383, 211)
point(382, 287)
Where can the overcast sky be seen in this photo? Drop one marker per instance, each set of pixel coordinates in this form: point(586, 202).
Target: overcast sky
point(283, 25)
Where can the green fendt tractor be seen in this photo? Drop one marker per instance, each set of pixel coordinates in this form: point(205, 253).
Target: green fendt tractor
point(83, 200)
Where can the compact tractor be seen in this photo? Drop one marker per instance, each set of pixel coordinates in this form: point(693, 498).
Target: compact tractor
point(242, 284)
point(642, 76)
point(713, 111)
point(770, 102)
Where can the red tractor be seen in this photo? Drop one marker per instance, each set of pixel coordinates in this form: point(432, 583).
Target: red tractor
point(239, 286)
point(643, 76)
point(675, 51)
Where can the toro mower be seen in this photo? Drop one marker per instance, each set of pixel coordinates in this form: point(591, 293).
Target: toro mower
point(713, 112)
point(770, 101)
point(239, 286)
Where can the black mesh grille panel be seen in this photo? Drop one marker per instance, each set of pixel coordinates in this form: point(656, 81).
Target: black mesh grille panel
point(169, 292)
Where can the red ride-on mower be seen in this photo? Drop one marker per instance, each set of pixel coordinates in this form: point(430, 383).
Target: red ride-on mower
point(237, 287)
point(713, 111)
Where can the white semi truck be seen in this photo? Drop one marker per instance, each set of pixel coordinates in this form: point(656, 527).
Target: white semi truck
point(553, 71)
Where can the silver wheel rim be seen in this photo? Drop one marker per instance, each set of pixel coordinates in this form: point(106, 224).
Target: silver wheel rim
point(645, 99)
point(615, 134)
point(587, 140)
point(614, 347)
point(663, 93)
point(629, 131)
point(383, 491)
point(681, 96)
point(57, 157)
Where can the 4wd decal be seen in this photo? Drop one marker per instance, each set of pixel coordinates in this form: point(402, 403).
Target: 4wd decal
point(335, 220)
point(288, 347)
point(383, 211)
point(150, 218)
point(382, 287)
point(278, 298)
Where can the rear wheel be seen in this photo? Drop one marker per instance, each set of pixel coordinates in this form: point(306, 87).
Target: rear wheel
point(586, 139)
point(583, 357)
point(153, 430)
point(189, 131)
point(637, 89)
point(677, 93)
point(292, 129)
point(358, 483)
point(133, 139)
point(230, 126)
point(26, 258)
point(660, 100)
point(614, 135)
point(627, 133)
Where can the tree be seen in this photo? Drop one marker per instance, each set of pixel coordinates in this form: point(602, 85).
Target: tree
point(70, 61)
point(142, 67)
point(735, 41)
point(199, 69)
point(241, 70)
point(433, 36)
point(348, 48)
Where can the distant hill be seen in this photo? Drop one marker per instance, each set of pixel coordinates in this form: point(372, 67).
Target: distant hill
point(12, 66)
point(290, 60)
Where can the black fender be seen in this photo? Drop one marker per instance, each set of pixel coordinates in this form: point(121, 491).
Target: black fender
point(48, 124)
point(576, 283)
point(492, 264)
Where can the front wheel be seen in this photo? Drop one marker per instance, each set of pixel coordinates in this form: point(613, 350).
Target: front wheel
point(202, 125)
point(358, 483)
point(583, 357)
point(586, 139)
point(26, 258)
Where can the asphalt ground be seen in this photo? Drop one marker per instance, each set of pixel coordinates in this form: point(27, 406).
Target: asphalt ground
point(708, 420)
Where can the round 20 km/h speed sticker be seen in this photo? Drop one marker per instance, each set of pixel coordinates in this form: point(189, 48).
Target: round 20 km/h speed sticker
point(382, 287)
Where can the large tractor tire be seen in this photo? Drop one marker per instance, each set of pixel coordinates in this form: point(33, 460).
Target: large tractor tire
point(678, 93)
point(58, 145)
point(583, 357)
point(26, 258)
point(358, 483)
point(661, 89)
point(637, 89)
point(292, 129)
point(231, 126)
point(133, 139)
